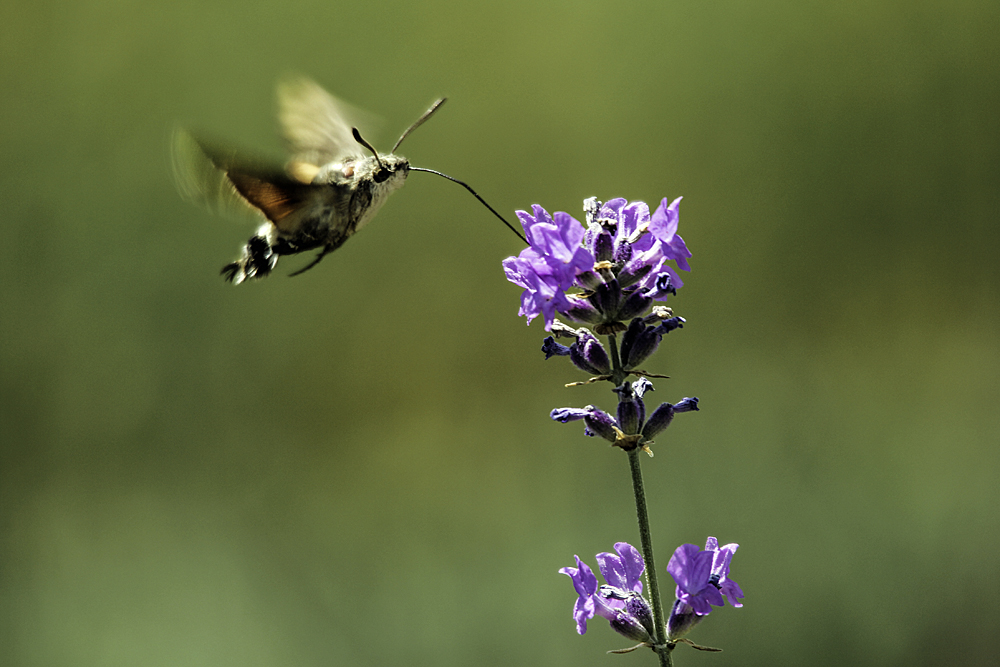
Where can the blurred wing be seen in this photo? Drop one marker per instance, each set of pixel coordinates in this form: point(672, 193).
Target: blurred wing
point(316, 125)
point(231, 185)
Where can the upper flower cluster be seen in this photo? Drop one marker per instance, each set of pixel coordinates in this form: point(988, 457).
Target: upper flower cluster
point(616, 266)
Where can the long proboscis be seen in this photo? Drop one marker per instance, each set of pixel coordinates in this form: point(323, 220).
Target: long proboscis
point(420, 121)
point(476, 195)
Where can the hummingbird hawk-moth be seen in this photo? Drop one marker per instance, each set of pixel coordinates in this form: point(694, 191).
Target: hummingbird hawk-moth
point(327, 191)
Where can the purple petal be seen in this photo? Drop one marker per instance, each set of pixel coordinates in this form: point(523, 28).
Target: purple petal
point(566, 415)
point(606, 608)
point(661, 266)
point(611, 569)
point(612, 209)
point(632, 216)
point(633, 564)
point(583, 577)
point(585, 584)
point(722, 558)
point(733, 592)
point(663, 224)
point(714, 596)
point(688, 404)
point(677, 250)
point(691, 568)
point(534, 223)
point(699, 604)
point(582, 611)
point(553, 349)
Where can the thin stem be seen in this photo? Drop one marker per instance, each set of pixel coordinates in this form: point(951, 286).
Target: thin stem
point(642, 514)
point(618, 374)
point(645, 537)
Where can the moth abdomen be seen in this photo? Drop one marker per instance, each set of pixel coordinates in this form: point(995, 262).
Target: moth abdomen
point(257, 261)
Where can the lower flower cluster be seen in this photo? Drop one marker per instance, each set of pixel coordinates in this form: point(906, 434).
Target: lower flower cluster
point(619, 601)
point(701, 575)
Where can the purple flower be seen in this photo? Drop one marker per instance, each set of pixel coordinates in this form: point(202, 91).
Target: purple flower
point(559, 240)
point(598, 421)
point(543, 295)
point(663, 415)
point(702, 578)
point(624, 568)
point(589, 355)
point(553, 349)
point(620, 601)
point(722, 558)
point(616, 267)
point(663, 226)
point(585, 584)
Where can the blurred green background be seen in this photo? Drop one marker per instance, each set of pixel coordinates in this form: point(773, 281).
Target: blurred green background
point(356, 466)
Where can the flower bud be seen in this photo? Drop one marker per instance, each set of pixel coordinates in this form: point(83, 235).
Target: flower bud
point(583, 311)
point(635, 327)
point(630, 627)
point(566, 415)
point(607, 298)
point(631, 411)
point(644, 345)
point(591, 207)
point(682, 619)
point(633, 273)
point(600, 423)
point(687, 405)
point(589, 279)
point(639, 609)
point(589, 355)
point(603, 247)
point(670, 324)
point(623, 253)
point(659, 420)
point(635, 304)
point(641, 386)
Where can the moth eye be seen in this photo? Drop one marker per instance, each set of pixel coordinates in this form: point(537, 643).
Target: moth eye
point(348, 170)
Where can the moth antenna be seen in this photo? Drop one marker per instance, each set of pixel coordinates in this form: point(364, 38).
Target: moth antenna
point(420, 121)
point(474, 193)
point(361, 140)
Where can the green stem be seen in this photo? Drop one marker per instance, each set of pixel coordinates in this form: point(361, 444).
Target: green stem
point(645, 537)
point(618, 374)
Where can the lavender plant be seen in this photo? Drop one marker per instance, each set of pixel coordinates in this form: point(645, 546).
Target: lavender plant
point(613, 276)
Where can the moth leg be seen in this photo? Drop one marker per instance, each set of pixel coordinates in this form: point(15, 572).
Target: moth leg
point(323, 253)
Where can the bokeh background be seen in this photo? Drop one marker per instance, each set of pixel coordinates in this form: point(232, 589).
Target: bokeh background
point(356, 466)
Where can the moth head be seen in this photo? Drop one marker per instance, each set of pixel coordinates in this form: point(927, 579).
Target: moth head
point(390, 166)
point(381, 170)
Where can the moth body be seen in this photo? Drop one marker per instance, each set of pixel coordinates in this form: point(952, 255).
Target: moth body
point(328, 190)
